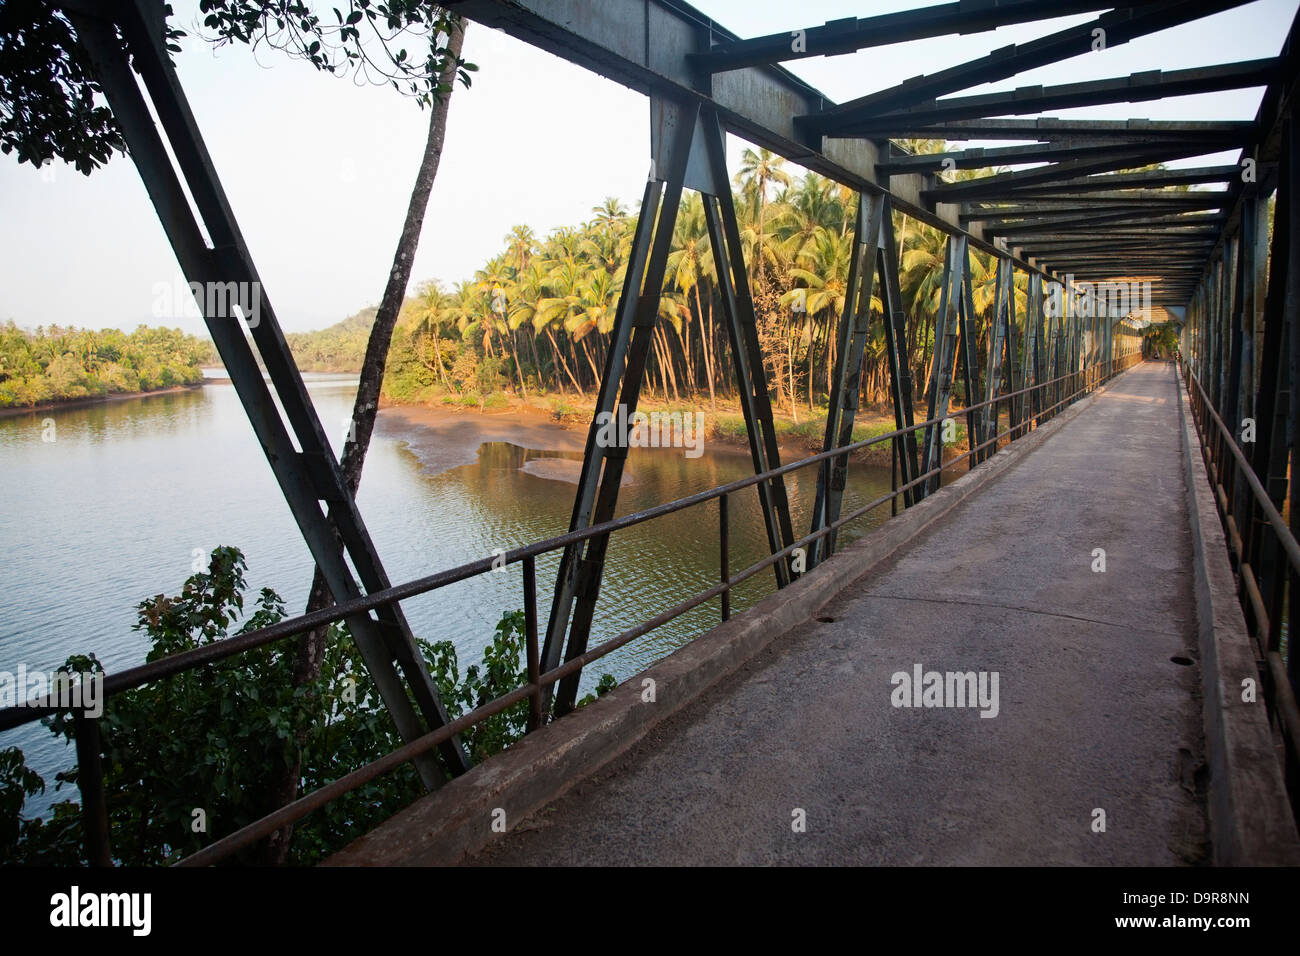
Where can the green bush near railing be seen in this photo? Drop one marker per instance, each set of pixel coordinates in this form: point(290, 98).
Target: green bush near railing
point(190, 758)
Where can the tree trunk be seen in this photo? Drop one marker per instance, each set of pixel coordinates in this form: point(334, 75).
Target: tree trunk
point(537, 361)
point(789, 364)
point(812, 354)
point(832, 343)
point(311, 646)
point(704, 345)
point(519, 372)
point(559, 355)
point(668, 360)
point(437, 351)
point(591, 359)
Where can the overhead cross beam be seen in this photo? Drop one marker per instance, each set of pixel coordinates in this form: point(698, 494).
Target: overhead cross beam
point(1115, 28)
point(1090, 223)
point(852, 33)
point(983, 158)
point(1019, 192)
point(1054, 130)
point(1108, 161)
point(1136, 88)
point(1039, 209)
point(1124, 195)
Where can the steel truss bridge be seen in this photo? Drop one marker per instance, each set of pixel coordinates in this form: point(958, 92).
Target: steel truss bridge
point(1075, 214)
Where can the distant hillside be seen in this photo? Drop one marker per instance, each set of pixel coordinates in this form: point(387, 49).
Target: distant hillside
point(339, 348)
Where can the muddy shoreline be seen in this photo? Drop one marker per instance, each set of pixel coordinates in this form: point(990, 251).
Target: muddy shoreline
point(96, 400)
point(443, 438)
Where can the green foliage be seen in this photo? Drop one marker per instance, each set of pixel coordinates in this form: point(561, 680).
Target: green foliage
point(48, 91)
point(538, 314)
point(65, 364)
point(339, 348)
point(208, 739)
point(1160, 341)
point(33, 841)
point(49, 94)
point(487, 375)
point(500, 673)
point(603, 687)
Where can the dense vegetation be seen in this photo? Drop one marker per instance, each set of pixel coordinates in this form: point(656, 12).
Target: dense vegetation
point(537, 316)
point(207, 739)
point(1161, 341)
point(338, 348)
point(57, 364)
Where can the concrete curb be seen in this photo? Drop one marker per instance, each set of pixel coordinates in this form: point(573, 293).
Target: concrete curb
point(445, 827)
point(1250, 816)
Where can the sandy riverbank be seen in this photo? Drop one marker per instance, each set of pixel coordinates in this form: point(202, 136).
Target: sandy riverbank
point(444, 438)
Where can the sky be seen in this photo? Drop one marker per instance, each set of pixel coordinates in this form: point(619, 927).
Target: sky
point(319, 170)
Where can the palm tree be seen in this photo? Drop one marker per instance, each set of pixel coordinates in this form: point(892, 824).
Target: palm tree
point(690, 266)
point(758, 170)
point(432, 305)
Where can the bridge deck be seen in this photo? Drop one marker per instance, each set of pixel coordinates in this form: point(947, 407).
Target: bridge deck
point(1092, 711)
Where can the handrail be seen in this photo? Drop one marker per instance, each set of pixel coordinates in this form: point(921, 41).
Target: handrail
point(142, 674)
point(1091, 376)
point(1267, 627)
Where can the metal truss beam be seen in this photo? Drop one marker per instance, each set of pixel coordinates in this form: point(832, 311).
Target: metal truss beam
point(1001, 340)
point(854, 325)
point(851, 34)
point(1011, 213)
point(1008, 184)
point(1053, 130)
point(687, 150)
point(1117, 26)
point(875, 256)
point(1151, 219)
point(954, 344)
point(988, 157)
point(298, 452)
point(1135, 88)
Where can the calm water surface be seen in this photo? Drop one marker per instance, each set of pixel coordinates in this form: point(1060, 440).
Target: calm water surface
point(112, 511)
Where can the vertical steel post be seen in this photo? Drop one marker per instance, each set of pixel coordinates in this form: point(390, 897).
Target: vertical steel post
point(724, 555)
point(969, 360)
point(690, 145)
point(939, 390)
point(846, 381)
point(578, 581)
point(90, 781)
point(536, 712)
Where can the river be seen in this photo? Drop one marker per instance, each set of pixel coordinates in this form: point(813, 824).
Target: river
point(117, 506)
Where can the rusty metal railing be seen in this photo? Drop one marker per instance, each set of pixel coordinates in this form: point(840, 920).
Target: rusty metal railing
point(1265, 534)
point(89, 757)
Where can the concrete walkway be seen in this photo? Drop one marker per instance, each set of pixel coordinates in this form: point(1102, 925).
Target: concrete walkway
point(1092, 713)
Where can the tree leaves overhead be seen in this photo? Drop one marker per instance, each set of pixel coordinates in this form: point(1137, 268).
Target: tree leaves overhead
point(48, 91)
point(51, 105)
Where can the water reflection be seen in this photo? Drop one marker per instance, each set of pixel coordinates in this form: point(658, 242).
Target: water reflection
point(115, 510)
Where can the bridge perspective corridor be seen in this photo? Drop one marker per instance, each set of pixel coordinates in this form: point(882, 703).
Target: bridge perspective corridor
point(1097, 703)
point(1077, 652)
